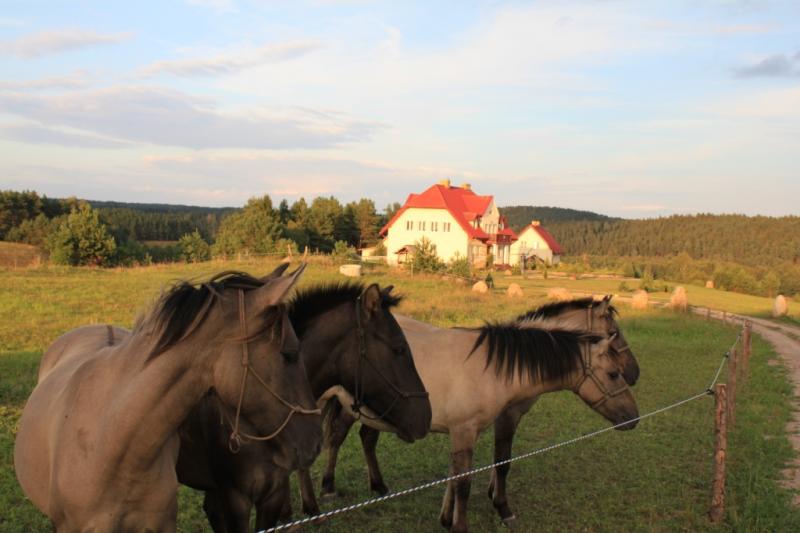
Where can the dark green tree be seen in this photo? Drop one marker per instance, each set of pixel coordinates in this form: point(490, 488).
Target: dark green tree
point(81, 239)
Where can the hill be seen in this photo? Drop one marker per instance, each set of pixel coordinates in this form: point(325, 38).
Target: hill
point(521, 215)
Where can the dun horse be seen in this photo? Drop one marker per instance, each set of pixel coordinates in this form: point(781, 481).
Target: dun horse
point(529, 359)
point(98, 438)
point(353, 348)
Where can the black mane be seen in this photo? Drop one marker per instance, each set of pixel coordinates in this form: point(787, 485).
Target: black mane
point(183, 307)
point(535, 353)
point(556, 308)
point(310, 302)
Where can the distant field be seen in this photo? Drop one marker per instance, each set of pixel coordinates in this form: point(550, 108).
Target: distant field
point(655, 478)
point(16, 255)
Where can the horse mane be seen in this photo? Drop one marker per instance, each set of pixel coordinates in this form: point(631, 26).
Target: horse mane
point(310, 302)
point(182, 308)
point(532, 352)
point(554, 309)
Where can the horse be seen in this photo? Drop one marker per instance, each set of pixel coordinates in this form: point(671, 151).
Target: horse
point(355, 351)
point(583, 314)
point(529, 359)
point(98, 437)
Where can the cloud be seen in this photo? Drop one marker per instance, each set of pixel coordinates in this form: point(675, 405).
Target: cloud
point(228, 63)
point(774, 66)
point(167, 117)
point(75, 80)
point(34, 134)
point(54, 41)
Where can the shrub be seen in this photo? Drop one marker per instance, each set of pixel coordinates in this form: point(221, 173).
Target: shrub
point(81, 239)
point(425, 258)
point(194, 248)
point(342, 253)
point(459, 266)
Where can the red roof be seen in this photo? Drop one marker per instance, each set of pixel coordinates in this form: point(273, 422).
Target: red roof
point(549, 239)
point(463, 204)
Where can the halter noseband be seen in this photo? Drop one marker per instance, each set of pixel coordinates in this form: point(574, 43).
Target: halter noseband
point(589, 371)
point(235, 439)
point(358, 400)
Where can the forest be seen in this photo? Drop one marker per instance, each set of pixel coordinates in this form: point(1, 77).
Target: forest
point(750, 254)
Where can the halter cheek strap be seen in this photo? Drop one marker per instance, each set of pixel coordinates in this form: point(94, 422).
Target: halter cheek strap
point(358, 400)
point(589, 372)
point(235, 439)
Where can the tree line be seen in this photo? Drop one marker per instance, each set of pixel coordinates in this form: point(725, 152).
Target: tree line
point(76, 232)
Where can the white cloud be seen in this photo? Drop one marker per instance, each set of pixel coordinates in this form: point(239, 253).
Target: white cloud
point(35, 134)
point(54, 41)
point(75, 80)
point(166, 117)
point(231, 62)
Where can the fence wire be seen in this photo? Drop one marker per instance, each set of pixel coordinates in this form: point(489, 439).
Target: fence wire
point(372, 501)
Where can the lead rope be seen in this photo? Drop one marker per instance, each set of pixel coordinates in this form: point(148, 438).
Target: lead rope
point(235, 440)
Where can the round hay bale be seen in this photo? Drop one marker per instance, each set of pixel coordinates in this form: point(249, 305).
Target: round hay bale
point(559, 294)
point(678, 301)
point(351, 271)
point(508, 272)
point(640, 299)
point(480, 287)
point(780, 307)
point(514, 291)
point(709, 284)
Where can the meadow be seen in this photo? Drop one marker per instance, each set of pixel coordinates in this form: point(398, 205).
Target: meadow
point(655, 478)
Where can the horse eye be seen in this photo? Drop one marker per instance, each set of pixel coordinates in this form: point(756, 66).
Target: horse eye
point(613, 375)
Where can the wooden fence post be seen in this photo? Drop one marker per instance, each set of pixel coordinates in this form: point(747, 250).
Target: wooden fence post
point(732, 364)
point(708, 313)
point(746, 347)
point(717, 510)
point(720, 452)
point(724, 317)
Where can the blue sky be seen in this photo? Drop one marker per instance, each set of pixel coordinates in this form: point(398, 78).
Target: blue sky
point(633, 109)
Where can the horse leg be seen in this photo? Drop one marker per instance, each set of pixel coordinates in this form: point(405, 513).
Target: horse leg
point(270, 510)
point(454, 504)
point(369, 441)
point(310, 505)
point(462, 444)
point(339, 428)
point(235, 510)
point(213, 509)
point(505, 426)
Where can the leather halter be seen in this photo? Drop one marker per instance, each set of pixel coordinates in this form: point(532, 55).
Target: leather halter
point(589, 372)
point(358, 400)
point(235, 439)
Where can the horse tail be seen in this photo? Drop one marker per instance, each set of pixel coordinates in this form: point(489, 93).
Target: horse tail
point(330, 412)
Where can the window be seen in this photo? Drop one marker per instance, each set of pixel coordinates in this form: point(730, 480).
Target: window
point(445, 226)
point(409, 224)
point(434, 226)
point(421, 225)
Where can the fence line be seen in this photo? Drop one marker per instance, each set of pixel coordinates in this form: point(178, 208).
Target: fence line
point(709, 391)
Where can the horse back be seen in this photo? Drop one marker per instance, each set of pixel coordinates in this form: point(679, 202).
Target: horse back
point(81, 343)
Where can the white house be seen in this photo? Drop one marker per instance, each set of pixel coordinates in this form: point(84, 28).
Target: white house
point(456, 220)
point(536, 242)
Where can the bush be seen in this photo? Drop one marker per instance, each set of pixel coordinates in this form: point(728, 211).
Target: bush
point(425, 258)
point(459, 266)
point(342, 253)
point(81, 240)
point(194, 248)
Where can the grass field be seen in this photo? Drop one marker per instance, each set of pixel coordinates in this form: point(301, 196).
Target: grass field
point(655, 478)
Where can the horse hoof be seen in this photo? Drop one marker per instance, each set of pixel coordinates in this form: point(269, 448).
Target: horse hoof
point(510, 522)
point(380, 488)
point(327, 496)
point(446, 522)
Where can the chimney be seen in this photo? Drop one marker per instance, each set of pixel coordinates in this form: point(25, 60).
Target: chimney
point(535, 223)
point(445, 183)
point(466, 186)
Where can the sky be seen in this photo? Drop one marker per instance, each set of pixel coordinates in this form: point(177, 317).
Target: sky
point(634, 109)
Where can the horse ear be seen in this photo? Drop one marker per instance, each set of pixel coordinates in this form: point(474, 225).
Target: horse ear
point(290, 344)
point(275, 274)
point(387, 290)
point(273, 291)
point(602, 346)
point(371, 300)
point(602, 306)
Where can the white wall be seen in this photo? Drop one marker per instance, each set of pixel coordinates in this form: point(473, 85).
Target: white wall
point(447, 242)
point(531, 243)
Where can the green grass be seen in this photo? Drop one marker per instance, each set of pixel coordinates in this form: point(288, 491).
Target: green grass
point(655, 478)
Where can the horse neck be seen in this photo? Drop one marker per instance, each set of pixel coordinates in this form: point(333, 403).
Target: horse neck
point(154, 397)
point(324, 341)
